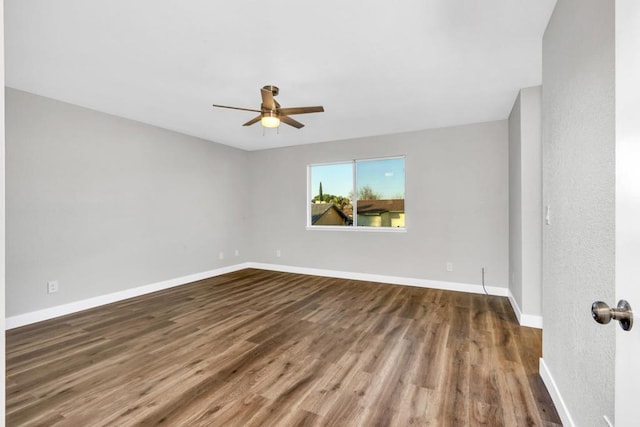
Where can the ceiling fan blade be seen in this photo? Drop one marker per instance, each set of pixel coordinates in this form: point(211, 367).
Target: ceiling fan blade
point(301, 110)
point(288, 120)
point(236, 108)
point(267, 99)
point(252, 121)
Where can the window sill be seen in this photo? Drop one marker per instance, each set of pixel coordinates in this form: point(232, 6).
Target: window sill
point(351, 229)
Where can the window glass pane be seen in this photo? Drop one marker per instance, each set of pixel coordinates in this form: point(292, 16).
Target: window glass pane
point(380, 201)
point(331, 190)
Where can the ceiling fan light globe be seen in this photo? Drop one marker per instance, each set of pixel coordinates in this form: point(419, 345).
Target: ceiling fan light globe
point(270, 121)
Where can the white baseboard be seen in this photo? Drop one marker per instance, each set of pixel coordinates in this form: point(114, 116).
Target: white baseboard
point(554, 392)
point(395, 280)
point(74, 307)
point(530, 320)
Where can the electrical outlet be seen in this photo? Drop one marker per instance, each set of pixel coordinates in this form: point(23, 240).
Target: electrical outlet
point(237, 252)
point(52, 286)
point(449, 266)
point(278, 253)
point(220, 255)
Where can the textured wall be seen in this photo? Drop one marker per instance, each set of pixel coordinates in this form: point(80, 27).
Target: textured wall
point(531, 208)
point(578, 170)
point(104, 204)
point(456, 207)
point(515, 202)
point(2, 216)
point(525, 201)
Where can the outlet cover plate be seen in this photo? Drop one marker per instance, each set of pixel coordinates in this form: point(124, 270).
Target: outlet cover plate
point(52, 286)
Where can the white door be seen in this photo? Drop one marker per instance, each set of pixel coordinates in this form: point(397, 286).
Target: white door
point(627, 388)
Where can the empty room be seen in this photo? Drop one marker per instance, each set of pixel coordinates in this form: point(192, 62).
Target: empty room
point(337, 214)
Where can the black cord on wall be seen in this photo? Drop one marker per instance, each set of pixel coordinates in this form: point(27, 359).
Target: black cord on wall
point(483, 287)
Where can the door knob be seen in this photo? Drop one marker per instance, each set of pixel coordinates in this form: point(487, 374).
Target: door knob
point(603, 314)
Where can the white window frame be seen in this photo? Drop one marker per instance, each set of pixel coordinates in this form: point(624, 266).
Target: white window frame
point(355, 227)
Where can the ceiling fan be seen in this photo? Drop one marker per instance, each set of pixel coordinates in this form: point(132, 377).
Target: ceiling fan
point(271, 114)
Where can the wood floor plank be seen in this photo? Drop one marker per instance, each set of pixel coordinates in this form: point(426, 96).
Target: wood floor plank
point(262, 348)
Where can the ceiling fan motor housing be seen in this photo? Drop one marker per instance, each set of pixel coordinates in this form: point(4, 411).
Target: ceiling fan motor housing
point(273, 89)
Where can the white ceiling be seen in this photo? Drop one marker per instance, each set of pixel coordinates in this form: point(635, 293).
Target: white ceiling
point(378, 67)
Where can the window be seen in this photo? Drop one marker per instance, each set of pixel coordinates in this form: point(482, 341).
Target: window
point(357, 194)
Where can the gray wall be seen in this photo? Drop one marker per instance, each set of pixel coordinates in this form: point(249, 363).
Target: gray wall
point(578, 170)
point(515, 202)
point(2, 220)
point(103, 204)
point(456, 207)
point(525, 201)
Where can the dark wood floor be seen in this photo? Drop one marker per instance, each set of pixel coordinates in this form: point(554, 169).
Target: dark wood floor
point(264, 348)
